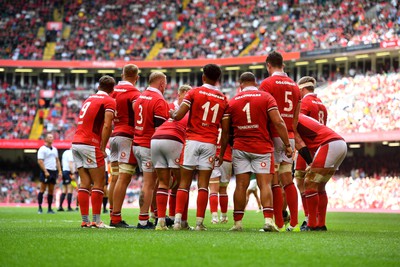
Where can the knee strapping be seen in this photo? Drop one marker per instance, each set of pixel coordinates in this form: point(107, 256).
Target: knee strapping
point(127, 168)
point(285, 168)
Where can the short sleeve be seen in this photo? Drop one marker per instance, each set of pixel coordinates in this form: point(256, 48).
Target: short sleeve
point(110, 105)
point(161, 110)
point(41, 154)
point(271, 103)
point(189, 98)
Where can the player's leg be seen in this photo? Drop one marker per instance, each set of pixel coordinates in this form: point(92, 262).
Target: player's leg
point(97, 176)
point(43, 185)
point(264, 183)
point(105, 189)
point(50, 190)
point(69, 196)
point(202, 197)
point(84, 195)
point(111, 186)
point(285, 176)
point(63, 195)
point(214, 190)
point(277, 199)
point(226, 174)
point(174, 185)
point(299, 174)
point(125, 176)
point(182, 195)
point(239, 199)
point(164, 175)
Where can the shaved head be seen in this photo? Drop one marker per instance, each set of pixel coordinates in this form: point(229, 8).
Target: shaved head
point(247, 77)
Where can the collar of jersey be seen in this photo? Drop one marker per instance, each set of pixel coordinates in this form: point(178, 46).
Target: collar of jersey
point(124, 83)
point(209, 86)
point(101, 92)
point(279, 73)
point(250, 88)
point(311, 94)
point(152, 89)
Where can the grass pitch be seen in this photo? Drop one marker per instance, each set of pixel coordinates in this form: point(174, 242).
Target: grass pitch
point(353, 239)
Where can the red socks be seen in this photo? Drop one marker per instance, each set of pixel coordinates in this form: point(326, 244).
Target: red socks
point(97, 200)
point(223, 203)
point(181, 198)
point(322, 206)
point(238, 215)
point(83, 198)
point(278, 204)
point(202, 201)
point(312, 203)
point(162, 200)
point(268, 212)
point(214, 202)
point(172, 204)
point(305, 207)
point(293, 203)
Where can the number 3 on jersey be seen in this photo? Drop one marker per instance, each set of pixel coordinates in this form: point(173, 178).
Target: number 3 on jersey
point(140, 120)
point(214, 109)
point(84, 109)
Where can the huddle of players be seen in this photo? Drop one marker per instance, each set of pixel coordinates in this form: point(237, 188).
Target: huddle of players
point(162, 139)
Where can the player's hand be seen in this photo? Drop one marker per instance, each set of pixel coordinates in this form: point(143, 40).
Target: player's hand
point(46, 174)
point(218, 161)
point(60, 175)
point(104, 153)
point(171, 113)
point(289, 152)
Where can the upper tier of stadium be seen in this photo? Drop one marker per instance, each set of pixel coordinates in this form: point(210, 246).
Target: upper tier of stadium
point(146, 30)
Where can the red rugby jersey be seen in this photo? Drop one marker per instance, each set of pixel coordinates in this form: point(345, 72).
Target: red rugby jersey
point(248, 112)
point(124, 121)
point(315, 134)
point(91, 118)
point(149, 106)
point(287, 96)
point(207, 106)
point(313, 107)
point(172, 130)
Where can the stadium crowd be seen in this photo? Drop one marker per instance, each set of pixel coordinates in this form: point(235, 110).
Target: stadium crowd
point(372, 103)
point(127, 30)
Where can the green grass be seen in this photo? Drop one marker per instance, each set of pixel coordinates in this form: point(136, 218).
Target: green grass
point(353, 239)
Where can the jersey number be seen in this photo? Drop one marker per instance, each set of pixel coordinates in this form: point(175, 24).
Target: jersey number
point(214, 109)
point(247, 110)
point(140, 120)
point(84, 109)
point(321, 117)
point(288, 101)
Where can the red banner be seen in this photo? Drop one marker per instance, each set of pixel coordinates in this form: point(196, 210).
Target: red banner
point(390, 44)
point(53, 25)
point(32, 144)
point(142, 64)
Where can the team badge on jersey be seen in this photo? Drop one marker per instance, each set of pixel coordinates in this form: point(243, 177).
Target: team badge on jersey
point(123, 155)
point(176, 160)
point(89, 160)
point(263, 164)
point(211, 159)
point(148, 164)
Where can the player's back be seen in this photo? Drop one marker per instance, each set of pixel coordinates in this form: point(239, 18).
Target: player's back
point(207, 106)
point(149, 107)
point(315, 134)
point(248, 111)
point(91, 118)
point(287, 96)
point(124, 121)
point(313, 107)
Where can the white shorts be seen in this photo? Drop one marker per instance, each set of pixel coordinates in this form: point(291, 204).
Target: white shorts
point(244, 162)
point(121, 150)
point(252, 185)
point(199, 154)
point(88, 157)
point(330, 155)
point(165, 153)
point(224, 172)
point(143, 157)
point(279, 150)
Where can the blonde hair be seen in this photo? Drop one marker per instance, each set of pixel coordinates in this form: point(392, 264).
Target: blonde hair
point(184, 88)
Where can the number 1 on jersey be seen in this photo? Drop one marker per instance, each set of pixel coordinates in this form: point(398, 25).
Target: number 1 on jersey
point(247, 110)
point(206, 108)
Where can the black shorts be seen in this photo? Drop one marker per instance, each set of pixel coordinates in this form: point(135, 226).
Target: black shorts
point(66, 177)
point(52, 179)
point(106, 177)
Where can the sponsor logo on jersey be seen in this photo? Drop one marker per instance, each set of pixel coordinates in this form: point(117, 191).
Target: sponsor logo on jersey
point(285, 83)
point(211, 94)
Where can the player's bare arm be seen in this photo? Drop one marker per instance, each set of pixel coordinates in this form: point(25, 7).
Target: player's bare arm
point(180, 112)
point(106, 132)
point(302, 148)
point(59, 167)
point(225, 124)
point(280, 126)
point(296, 116)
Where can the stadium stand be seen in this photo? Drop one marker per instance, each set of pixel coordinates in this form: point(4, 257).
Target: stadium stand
point(127, 30)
